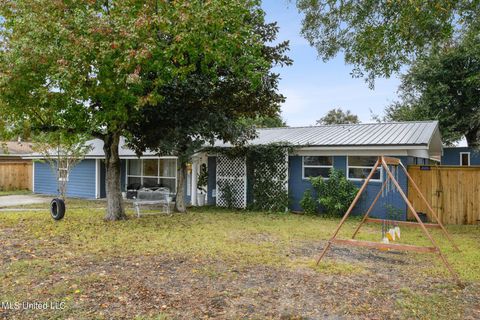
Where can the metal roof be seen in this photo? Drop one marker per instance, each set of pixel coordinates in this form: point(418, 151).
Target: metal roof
point(418, 133)
point(364, 134)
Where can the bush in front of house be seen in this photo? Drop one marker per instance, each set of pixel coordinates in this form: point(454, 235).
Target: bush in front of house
point(336, 193)
point(308, 202)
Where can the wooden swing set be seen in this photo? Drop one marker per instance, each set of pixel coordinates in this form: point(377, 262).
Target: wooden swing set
point(394, 163)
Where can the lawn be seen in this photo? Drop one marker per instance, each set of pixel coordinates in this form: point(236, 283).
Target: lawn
point(215, 263)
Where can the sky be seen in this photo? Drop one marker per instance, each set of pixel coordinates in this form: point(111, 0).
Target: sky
point(311, 86)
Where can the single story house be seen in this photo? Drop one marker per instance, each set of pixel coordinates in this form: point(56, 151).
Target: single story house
point(87, 178)
point(460, 156)
point(352, 148)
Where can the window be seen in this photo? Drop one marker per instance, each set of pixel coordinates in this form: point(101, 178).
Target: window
point(317, 166)
point(359, 168)
point(464, 158)
point(153, 173)
point(63, 171)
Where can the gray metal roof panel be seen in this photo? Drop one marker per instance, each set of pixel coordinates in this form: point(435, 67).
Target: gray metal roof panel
point(394, 133)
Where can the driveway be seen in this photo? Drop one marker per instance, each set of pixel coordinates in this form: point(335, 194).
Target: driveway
point(21, 200)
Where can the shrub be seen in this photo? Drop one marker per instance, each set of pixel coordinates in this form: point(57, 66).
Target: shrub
point(308, 203)
point(336, 193)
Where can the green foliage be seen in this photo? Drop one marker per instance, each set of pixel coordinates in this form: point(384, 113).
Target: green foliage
point(202, 180)
point(227, 193)
point(213, 101)
point(308, 203)
point(444, 86)
point(338, 116)
point(275, 121)
point(336, 193)
point(161, 73)
point(378, 37)
point(268, 169)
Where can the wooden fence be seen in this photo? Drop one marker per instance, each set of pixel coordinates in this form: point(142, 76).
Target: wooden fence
point(15, 176)
point(452, 191)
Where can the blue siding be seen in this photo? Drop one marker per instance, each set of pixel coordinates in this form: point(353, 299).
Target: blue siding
point(123, 177)
point(451, 156)
point(297, 186)
point(81, 180)
point(212, 179)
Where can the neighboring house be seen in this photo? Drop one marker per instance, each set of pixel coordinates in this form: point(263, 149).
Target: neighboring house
point(15, 172)
point(350, 148)
point(13, 151)
point(460, 156)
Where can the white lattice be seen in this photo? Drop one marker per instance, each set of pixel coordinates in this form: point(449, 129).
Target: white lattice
point(277, 176)
point(231, 181)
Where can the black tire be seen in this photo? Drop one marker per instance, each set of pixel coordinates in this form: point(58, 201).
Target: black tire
point(57, 209)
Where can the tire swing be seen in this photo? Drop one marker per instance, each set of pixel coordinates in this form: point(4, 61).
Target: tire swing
point(57, 209)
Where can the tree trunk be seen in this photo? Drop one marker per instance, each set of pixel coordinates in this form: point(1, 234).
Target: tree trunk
point(473, 138)
point(115, 210)
point(180, 198)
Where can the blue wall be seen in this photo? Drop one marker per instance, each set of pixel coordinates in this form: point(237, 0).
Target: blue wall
point(81, 182)
point(212, 179)
point(123, 177)
point(451, 156)
point(297, 186)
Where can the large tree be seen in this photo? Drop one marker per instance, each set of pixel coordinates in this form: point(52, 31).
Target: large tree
point(218, 101)
point(338, 116)
point(444, 86)
point(378, 37)
point(91, 66)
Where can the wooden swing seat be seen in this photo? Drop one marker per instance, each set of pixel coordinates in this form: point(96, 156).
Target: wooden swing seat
point(384, 246)
point(405, 223)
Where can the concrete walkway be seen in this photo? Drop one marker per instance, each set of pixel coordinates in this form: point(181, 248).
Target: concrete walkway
point(21, 200)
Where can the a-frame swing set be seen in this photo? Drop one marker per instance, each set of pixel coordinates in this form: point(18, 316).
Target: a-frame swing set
point(385, 162)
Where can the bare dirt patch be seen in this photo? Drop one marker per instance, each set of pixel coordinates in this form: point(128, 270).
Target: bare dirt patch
point(186, 288)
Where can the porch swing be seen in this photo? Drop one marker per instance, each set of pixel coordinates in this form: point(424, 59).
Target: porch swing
point(391, 167)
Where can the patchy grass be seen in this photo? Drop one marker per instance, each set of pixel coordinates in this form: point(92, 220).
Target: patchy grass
point(15, 192)
point(89, 264)
point(428, 306)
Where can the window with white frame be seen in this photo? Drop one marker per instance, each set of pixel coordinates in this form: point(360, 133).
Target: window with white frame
point(63, 171)
point(359, 167)
point(464, 158)
point(317, 166)
point(153, 173)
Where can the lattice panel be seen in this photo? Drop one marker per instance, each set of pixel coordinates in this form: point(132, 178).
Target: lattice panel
point(279, 173)
point(231, 181)
point(270, 183)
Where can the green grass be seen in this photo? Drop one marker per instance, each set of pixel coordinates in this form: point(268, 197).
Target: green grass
point(242, 239)
point(15, 192)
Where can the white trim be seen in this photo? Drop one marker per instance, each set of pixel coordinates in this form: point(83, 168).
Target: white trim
point(315, 166)
point(467, 153)
point(193, 185)
point(97, 178)
point(363, 167)
point(142, 177)
point(67, 178)
point(349, 152)
point(33, 176)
